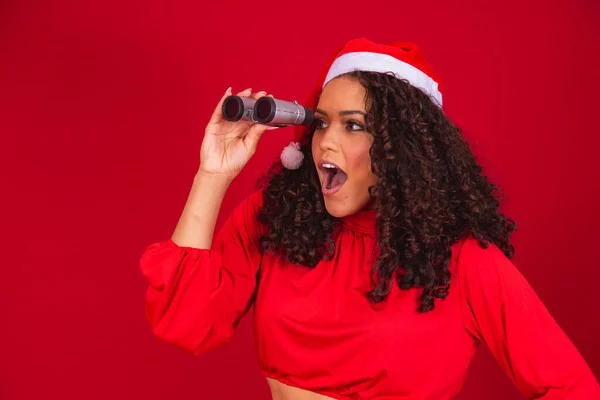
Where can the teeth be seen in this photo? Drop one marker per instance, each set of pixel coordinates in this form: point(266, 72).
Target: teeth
point(329, 166)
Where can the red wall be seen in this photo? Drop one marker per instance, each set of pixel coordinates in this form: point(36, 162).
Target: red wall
point(102, 109)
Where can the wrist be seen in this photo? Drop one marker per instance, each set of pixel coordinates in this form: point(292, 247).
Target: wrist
point(214, 180)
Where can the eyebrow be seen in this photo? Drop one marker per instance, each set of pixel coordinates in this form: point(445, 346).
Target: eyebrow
point(342, 113)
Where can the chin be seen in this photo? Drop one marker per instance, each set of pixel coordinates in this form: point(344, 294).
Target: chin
point(336, 210)
point(339, 208)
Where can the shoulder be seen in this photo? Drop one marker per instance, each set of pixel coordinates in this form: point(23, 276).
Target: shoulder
point(474, 262)
point(245, 214)
point(251, 204)
point(257, 196)
point(469, 250)
point(243, 221)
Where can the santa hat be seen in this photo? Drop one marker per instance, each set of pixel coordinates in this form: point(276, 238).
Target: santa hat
point(402, 59)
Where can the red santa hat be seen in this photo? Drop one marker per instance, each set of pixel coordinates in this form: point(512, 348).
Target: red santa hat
point(402, 59)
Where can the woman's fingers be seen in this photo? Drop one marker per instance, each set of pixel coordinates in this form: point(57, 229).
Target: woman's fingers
point(245, 93)
point(258, 95)
point(217, 115)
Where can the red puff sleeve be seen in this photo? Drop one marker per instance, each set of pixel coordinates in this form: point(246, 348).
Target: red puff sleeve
point(503, 311)
point(197, 297)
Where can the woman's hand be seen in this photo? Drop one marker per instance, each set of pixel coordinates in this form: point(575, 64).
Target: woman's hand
point(228, 146)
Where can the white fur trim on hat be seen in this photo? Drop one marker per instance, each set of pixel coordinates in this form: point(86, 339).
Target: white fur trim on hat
point(377, 62)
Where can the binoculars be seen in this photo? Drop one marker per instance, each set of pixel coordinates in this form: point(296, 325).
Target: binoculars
point(266, 111)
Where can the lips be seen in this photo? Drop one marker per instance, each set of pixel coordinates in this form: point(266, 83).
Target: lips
point(333, 177)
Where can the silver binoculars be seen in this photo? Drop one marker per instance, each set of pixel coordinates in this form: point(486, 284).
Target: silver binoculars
point(266, 111)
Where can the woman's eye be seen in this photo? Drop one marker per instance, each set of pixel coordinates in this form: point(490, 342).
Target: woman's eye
point(354, 126)
point(320, 124)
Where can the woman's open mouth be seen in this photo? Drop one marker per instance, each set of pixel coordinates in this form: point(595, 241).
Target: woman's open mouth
point(333, 178)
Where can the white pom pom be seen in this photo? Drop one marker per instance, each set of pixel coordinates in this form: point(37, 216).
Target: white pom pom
point(291, 156)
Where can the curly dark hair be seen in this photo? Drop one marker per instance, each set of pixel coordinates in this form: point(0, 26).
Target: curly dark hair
point(431, 193)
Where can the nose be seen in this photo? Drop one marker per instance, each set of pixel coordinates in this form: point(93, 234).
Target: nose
point(329, 140)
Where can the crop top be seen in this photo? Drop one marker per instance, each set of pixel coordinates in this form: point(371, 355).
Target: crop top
point(316, 330)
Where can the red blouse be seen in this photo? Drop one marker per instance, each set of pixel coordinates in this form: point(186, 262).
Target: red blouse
point(316, 330)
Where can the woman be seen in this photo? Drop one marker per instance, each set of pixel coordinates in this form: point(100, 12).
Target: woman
point(376, 259)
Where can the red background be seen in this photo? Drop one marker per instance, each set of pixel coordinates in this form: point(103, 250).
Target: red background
point(102, 109)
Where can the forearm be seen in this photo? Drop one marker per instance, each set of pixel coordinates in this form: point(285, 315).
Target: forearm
point(197, 222)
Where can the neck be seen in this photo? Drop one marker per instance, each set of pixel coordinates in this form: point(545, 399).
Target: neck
point(372, 204)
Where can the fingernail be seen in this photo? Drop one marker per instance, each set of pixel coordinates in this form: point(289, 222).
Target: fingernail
point(262, 92)
point(228, 91)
